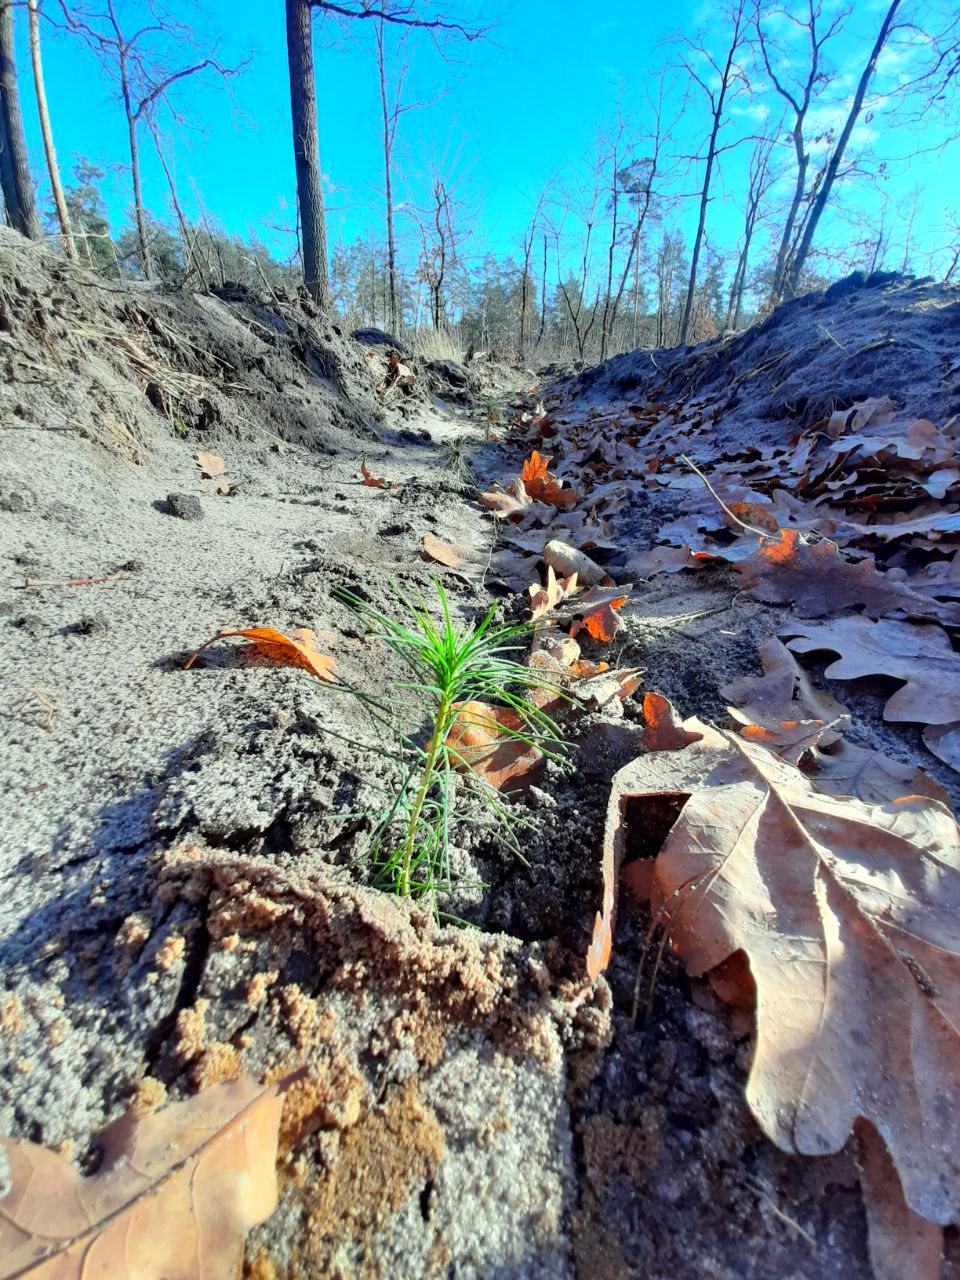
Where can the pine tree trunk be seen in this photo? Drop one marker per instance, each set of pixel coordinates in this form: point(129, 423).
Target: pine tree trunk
point(49, 148)
point(306, 148)
point(18, 191)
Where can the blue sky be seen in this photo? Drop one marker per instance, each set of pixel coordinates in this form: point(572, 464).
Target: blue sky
point(517, 111)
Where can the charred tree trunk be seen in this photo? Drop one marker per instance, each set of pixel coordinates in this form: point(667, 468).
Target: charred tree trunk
point(50, 150)
point(306, 148)
point(18, 191)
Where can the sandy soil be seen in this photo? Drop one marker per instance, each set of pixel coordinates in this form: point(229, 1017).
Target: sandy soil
point(180, 895)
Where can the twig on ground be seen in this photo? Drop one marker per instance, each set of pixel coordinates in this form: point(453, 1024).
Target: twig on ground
point(764, 533)
point(71, 582)
point(51, 709)
point(753, 1185)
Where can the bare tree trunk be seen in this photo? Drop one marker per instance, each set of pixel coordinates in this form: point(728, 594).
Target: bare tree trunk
point(717, 105)
point(543, 294)
point(59, 200)
point(833, 167)
point(191, 258)
point(388, 132)
point(306, 148)
point(18, 191)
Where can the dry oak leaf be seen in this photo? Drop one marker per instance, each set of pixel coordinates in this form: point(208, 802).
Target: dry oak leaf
point(791, 740)
point(542, 486)
point(481, 738)
point(920, 655)
point(175, 1195)
point(296, 650)
point(665, 737)
point(900, 1243)
point(850, 917)
point(944, 741)
point(453, 555)
point(210, 465)
point(783, 692)
point(822, 582)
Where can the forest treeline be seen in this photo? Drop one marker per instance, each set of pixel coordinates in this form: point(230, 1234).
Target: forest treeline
point(780, 107)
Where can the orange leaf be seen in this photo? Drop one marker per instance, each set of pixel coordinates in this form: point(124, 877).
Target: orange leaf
point(298, 650)
point(371, 481)
point(602, 623)
point(541, 485)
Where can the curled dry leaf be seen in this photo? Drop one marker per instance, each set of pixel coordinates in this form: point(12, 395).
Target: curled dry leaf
point(790, 740)
point(370, 481)
point(175, 1194)
point(848, 915)
point(507, 504)
point(667, 560)
point(567, 560)
point(922, 656)
point(545, 598)
point(210, 465)
point(453, 555)
point(480, 739)
point(601, 622)
point(542, 486)
point(296, 650)
point(663, 728)
point(944, 741)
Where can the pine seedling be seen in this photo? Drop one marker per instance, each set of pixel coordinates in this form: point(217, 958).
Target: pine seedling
point(448, 667)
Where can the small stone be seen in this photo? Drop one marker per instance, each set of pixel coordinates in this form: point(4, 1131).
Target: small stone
point(185, 506)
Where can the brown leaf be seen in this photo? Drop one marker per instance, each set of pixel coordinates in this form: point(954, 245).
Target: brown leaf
point(782, 693)
point(453, 555)
point(667, 560)
point(822, 582)
point(901, 1243)
point(297, 650)
point(850, 770)
point(790, 740)
point(175, 1194)
point(480, 739)
point(567, 560)
point(210, 465)
point(602, 623)
point(665, 730)
point(848, 915)
point(545, 598)
point(922, 656)
point(944, 741)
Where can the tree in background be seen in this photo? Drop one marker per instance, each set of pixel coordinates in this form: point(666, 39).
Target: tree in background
point(18, 194)
point(304, 115)
point(719, 77)
point(87, 216)
point(143, 66)
point(799, 85)
point(46, 130)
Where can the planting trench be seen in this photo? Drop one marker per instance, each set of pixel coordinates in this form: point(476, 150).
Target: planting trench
point(182, 898)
